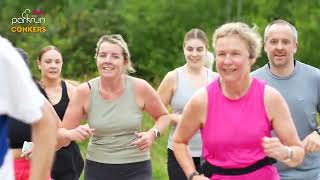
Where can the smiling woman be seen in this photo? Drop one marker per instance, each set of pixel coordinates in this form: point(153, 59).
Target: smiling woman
point(113, 104)
point(68, 163)
point(228, 107)
point(178, 86)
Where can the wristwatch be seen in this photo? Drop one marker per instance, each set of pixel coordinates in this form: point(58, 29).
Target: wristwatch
point(318, 130)
point(290, 154)
point(193, 175)
point(156, 133)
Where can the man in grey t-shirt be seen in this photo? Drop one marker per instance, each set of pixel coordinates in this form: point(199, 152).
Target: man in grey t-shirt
point(299, 84)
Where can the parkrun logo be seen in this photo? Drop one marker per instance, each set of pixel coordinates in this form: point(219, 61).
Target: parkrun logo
point(30, 21)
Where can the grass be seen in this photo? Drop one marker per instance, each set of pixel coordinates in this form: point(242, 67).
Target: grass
point(158, 152)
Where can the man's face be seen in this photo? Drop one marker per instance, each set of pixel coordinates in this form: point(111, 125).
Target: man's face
point(280, 45)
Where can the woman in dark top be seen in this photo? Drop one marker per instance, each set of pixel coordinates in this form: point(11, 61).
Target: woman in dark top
point(68, 162)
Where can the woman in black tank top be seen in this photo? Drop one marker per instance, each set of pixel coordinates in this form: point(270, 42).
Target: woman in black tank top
point(68, 163)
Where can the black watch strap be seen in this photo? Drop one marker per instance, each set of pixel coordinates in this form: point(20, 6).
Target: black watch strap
point(193, 175)
point(318, 130)
point(156, 133)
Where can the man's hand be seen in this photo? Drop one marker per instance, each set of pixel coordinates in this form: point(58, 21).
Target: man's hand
point(312, 143)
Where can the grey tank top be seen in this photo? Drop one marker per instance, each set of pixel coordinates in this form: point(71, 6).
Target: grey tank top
point(183, 93)
point(115, 122)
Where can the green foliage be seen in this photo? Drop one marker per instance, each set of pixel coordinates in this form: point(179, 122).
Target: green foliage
point(154, 30)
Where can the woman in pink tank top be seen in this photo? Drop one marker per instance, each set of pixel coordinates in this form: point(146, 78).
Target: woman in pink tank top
point(236, 114)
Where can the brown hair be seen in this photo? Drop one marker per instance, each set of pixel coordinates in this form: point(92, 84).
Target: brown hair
point(46, 49)
point(196, 33)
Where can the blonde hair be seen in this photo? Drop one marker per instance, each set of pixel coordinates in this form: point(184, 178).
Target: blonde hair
point(118, 40)
point(249, 35)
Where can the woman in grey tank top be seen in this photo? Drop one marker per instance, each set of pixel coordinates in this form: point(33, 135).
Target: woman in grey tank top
point(113, 104)
point(176, 89)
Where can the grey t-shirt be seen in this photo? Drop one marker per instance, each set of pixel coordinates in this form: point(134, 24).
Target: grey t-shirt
point(301, 90)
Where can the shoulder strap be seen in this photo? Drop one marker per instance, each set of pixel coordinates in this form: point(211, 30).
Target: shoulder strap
point(89, 85)
point(64, 89)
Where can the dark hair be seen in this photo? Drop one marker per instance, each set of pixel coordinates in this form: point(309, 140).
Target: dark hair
point(196, 33)
point(24, 55)
point(41, 89)
point(46, 49)
point(35, 80)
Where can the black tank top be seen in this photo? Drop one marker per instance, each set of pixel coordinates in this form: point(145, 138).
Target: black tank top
point(68, 162)
point(62, 105)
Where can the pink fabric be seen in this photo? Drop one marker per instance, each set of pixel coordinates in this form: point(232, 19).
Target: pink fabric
point(22, 169)
point(232, 135)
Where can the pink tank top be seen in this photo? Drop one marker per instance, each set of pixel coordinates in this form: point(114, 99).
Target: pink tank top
point(233, 132)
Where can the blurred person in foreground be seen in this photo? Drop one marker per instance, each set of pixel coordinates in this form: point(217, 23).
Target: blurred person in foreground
point(21, 99)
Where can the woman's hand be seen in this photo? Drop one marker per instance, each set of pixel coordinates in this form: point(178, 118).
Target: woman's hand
point(27, 150)
point(80, 133)
point(145, 140)
point(174, 118)
point(275, 149)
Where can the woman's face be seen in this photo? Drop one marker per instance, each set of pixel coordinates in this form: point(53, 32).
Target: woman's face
point(110, 60)
point(232, 58)
point(50, 64)
point(194, 52)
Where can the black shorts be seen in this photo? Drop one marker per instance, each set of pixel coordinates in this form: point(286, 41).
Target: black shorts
point(130, 171)
point(68, 163)
point(175, 171)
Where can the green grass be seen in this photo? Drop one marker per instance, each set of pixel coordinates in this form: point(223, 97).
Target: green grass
point(158, 152)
